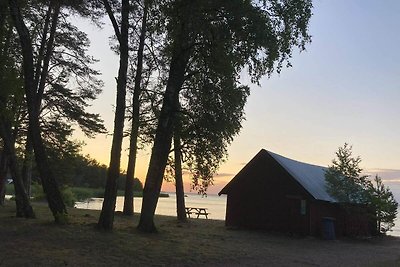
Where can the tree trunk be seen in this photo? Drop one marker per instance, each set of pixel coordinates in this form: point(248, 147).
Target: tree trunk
point(43, 58)
point(107, 212)
point(180, 193)
point(5, 34)
point(3, 176)
point(163, 138)
point(130, 174)
point(24, 208)
point(49, 183)
point(27, 166)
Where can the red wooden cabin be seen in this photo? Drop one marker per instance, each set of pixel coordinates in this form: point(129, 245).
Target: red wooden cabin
point(275, 193)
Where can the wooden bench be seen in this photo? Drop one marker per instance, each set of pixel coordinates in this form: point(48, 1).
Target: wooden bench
point(197, 211)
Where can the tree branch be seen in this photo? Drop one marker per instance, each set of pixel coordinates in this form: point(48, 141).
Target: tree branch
point(112, 19)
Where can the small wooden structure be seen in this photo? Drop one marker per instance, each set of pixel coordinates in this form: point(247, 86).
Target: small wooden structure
point(275, 193)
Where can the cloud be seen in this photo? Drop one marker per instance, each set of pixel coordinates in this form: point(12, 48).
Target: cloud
point(389, 175)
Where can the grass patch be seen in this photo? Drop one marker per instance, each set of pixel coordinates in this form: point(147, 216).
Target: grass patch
point(40, 242)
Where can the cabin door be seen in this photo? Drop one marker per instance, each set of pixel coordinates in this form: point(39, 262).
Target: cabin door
point(297, 216)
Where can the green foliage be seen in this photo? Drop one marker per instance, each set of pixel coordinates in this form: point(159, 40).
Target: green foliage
point(68, 196)
point(81, 193)
point(10, 189)
point(64, 157)
point(344, 180)
point(37, 192)
point(226, 37)
point(215, 114)
point(347, 185)
point(384, 204)
point(137, 185)
point(61, 218)
point(88, 172)
point(68, 84)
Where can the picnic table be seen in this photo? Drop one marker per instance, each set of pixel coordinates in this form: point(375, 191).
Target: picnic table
point(197, 211)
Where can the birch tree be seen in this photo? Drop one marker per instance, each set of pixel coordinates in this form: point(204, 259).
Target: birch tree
point(257, 35)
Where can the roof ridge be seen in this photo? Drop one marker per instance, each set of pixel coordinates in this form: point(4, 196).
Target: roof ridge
point(310, 176)
point(311, 164)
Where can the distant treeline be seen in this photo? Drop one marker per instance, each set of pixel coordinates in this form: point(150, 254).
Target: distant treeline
point(82, 171)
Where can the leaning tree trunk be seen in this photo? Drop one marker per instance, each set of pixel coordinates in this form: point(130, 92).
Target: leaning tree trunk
point(3, 177)
point(180, 193)
point(106, 219)
point(130, 173)
point(164, 132)
point(49, 183)
point(24, 208)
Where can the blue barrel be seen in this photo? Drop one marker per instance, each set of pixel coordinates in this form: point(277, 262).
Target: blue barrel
point(328, 228)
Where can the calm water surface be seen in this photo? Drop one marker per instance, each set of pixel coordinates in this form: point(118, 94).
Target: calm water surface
point(216, 205)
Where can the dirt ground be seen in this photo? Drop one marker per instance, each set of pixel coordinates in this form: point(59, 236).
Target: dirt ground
point(200, 242)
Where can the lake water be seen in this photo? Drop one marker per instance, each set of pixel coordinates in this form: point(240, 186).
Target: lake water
point(216, 206)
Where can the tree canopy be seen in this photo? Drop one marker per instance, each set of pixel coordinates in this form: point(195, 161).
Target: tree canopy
point(344, 178)
point(384, 204)
point(58, 82)
point(346, 184)
point(212, 42)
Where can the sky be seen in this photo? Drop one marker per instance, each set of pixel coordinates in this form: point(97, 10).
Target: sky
point(344, 88)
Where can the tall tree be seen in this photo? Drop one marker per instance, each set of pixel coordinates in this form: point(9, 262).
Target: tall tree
point(346, 183)
point(49, 183)
point(133, 143)
point(259, 35)
point(54, 54)
point(384, 205)
point(107, 212)
point(204, 127)
point(344, 179)
point(163, 136)
point(64, 78)
point(11, 100)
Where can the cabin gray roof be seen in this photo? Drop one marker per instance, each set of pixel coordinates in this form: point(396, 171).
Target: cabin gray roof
point(311, 177)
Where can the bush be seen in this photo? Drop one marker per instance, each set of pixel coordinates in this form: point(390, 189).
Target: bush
point(10, 189)
point(68, 196)
point(37, 192)
point(99, 192)
point(82, 193)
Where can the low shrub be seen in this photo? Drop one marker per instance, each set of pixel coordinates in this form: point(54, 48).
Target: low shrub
point(81, 193)
point(68, 196)
point(37, 192)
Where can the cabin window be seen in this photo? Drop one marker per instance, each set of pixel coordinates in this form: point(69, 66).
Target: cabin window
point(303, 207)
